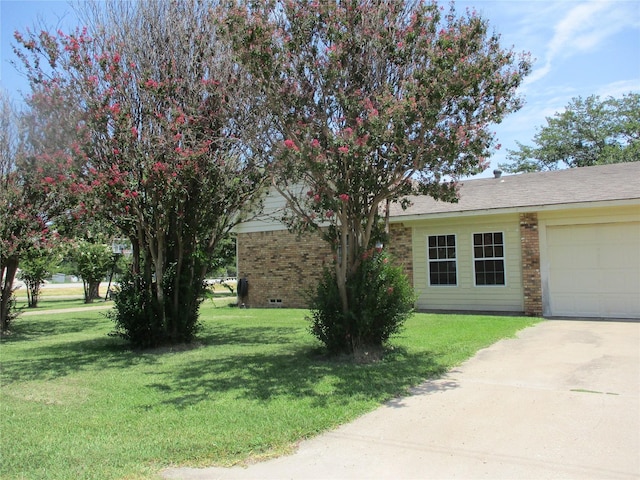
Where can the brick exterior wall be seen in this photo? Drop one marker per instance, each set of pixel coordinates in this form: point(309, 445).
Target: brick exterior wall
point(280, 266)
point(531, 281)
point(401, 248)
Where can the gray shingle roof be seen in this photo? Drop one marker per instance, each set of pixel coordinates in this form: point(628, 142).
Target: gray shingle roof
point(577, 185)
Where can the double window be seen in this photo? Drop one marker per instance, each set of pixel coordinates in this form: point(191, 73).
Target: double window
point(488, 258)
point(442, 260)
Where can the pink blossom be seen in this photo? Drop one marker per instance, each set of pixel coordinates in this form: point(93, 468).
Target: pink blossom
point(315, 143)
point(134, 131)
point(329, 213)
point(49, 180)
point(344, 197)
point(390, 290)
point(290, 144)
point(343, 149)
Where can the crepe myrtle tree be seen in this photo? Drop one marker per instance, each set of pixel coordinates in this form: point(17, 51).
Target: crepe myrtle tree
point(164, 115)
point(372, 101)
point(35, 172)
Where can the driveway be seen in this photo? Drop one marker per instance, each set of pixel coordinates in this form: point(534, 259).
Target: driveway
point(562, 400)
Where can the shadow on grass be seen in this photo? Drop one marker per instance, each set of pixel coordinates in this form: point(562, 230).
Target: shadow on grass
point(29, 328)
point(65, 358)
point(297, 374)
point(247, 362)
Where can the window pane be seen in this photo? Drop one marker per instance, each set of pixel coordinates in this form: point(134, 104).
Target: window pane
point(477, 239)
point(499, 251)
point(488, 238)
point(497, 238)
point(488, 251)
point(451, 252)
point(432, 241)
point(489, 272)
point(477, 252)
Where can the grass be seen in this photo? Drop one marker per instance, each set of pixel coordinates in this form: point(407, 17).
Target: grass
point(78, 404)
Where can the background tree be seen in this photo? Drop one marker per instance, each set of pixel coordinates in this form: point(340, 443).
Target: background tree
point(372, 101)
point(589, 132)
point(10, 202)
point(34, 173)
point(92, 261)
point(36, 265)
point(164, 112)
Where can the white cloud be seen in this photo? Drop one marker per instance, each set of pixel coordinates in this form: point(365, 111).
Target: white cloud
point(619, 88)
point(585, 27)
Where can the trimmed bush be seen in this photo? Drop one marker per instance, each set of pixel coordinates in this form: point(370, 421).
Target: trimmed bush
point(380, 300)
point(142, 320)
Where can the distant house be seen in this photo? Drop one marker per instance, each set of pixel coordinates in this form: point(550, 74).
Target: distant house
point(561, 243)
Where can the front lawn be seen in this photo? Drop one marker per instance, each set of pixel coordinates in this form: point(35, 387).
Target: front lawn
point(78, 404)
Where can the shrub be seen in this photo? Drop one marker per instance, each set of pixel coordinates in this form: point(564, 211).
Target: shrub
point(380, 300)
point(142, 320)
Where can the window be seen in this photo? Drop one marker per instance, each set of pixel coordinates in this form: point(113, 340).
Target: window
point(442, 260)
point(488, 255)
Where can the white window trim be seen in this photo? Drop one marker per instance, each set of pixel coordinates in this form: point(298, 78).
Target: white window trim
point(503, 258)
point(455, 238)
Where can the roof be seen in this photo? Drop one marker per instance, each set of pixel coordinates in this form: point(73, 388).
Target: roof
point(601, 183)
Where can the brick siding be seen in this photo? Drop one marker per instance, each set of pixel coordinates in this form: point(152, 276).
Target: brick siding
point(531, 281)
point(280, 266)
point(401, 248)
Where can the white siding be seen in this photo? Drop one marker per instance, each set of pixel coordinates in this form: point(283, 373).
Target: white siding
point(467, 296)
point(269, 219)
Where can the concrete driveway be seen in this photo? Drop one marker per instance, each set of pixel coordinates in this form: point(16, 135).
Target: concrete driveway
point(562, 400)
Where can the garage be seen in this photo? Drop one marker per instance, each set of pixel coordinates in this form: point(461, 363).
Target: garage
point(594, 270)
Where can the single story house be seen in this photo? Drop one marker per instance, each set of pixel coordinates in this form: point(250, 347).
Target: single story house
point(562, 243)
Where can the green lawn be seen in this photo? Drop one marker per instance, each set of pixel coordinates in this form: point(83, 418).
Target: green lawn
point(78, 404)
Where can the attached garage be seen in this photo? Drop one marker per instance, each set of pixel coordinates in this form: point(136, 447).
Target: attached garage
point(594, 270)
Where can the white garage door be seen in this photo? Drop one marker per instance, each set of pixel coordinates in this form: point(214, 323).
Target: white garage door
point(594, 270)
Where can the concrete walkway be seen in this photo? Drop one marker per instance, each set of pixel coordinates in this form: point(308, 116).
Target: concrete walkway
point(562, 400)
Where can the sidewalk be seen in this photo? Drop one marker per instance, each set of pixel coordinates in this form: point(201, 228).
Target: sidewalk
point(562, 400)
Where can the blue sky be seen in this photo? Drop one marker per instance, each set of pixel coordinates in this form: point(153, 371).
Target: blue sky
point(580, 48)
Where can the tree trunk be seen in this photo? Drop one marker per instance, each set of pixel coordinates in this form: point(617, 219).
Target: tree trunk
point(9, 270)
point(33, 293)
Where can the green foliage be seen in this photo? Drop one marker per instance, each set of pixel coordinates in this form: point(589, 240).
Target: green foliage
point(589, 132)
point(380, 299)
point(36, 265)
point(139, 317)
point(92, 262)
